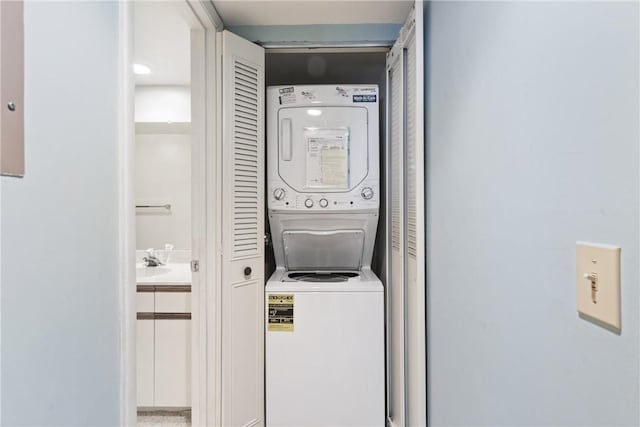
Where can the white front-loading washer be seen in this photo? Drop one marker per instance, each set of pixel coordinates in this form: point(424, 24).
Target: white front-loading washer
point(324, 307)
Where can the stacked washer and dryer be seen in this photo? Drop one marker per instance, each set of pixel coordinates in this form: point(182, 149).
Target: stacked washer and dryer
point(324, 307)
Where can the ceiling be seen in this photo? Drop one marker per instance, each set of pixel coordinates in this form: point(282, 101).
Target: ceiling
point(161, 41)
point(162, 27)
point(309, 12)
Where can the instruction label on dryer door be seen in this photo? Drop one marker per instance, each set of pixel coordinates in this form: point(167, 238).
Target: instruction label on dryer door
point(280, 317)
point(327, 158)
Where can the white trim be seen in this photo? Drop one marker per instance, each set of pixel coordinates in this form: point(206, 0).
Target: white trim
point(328, 49)
point(215, 199)
point(207, 14)
point(198, 215)
point(203, 53)
point(206, 218)
point(387, 236)
point(421, 328)
point(385, 44)
point(126, 216)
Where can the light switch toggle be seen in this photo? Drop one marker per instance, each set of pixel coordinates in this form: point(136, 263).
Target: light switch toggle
point(593, 278)
point(597, 282)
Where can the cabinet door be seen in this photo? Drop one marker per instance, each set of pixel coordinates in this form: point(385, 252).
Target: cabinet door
point(172, 302)
point(144, 362)
point(172, 362)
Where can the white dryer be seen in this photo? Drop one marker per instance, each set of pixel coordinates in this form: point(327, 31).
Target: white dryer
point(324, 311)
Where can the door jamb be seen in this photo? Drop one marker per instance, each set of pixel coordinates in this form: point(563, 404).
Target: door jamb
point(209, 257)
point(205, 106)
point(206, 355)
point(126, 217)
point(206, 303)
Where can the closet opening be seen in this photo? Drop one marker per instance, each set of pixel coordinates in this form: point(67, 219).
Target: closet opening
point(295, 170)
point(339, 66)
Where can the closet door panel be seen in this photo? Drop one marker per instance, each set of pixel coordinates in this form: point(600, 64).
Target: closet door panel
point(243, 232)
point(406, 291)
point(396, 286)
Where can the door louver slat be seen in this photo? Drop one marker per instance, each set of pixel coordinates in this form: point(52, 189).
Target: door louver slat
point(410, 115)
point(245, 159)
point(395, 128)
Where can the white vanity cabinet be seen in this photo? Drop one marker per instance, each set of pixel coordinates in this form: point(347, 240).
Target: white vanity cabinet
point(164, 346)
point(145, 348)
point(172, 362)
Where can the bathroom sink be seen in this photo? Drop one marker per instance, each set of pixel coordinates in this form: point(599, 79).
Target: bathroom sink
point(151, 271)
point(172, 273)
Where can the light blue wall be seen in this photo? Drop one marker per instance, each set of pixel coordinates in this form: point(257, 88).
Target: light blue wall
point(299, 34)
point(533, 143)
point(59, 308)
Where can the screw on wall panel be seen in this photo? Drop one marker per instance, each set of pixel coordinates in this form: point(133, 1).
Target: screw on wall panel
point(11, 106)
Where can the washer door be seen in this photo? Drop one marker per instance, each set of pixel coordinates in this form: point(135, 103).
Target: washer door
point(323, 148)
point(311, 250)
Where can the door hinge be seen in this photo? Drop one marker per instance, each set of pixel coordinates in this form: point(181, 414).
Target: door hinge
point(195, 266)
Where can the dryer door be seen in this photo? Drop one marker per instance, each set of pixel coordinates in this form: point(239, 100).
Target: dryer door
point(323, 148)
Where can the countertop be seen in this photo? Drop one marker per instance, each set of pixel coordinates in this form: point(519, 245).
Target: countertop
point(171, 273)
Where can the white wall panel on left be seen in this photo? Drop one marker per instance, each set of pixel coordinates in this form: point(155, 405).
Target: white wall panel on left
point(59, 308)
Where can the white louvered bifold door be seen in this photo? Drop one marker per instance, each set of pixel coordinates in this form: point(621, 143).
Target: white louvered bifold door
point(416, 385)
point(243, 232)
point(406, 315)
point(395, 287)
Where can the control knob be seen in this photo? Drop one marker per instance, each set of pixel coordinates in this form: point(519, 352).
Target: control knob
point(279, 193)
point(323, 203)
point(308, 203)
point(367, 193)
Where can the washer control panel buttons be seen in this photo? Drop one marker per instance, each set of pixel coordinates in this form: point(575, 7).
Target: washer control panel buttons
point(367, 193)
point(323, 203)
point(279, 193)
point(308, 203)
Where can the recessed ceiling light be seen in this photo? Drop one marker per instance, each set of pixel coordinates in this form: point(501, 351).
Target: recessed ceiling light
point(141, 69)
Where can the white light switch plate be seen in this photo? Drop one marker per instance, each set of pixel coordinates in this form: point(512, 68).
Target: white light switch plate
point(602, 263)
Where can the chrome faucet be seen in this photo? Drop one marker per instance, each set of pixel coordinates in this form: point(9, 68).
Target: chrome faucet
point(151, 260)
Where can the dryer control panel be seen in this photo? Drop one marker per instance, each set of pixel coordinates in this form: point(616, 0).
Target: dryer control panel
point(283, 198)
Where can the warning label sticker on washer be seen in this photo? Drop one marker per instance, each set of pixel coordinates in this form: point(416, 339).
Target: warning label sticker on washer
point(280, 317)
point(287, 95)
